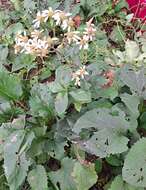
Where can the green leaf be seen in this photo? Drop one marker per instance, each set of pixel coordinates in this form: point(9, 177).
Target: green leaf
point(15, 165)
point(84, 175)
point(10, 87)
point(3, 55)
point(118, 34)
point(134, 170)
point(29, 5)
point(119, 184)
point(132, 102)
point(81, 96)
point(37, 178)
point(61, 102)
point(16, 4)
point(63, 75)
point(63, 176)
point(136, 81)
point(114, 160)
point(41, 101)
point(100, 119)
point(132, 50)
point(106, 142)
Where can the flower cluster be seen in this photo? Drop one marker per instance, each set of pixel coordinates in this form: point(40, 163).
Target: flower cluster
point(34, 45)
point(39, 44)
point(79, 74)
point(82, 40)
point(61, 18)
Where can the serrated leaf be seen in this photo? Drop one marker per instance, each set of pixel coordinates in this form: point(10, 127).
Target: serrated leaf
point(61, 102)
point(134, 170)
point(37, 178)
point(10, 87)
point(119, 184)
point(84, 175)
point(63, 175)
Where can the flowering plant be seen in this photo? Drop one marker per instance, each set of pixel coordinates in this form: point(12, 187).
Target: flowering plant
point(72, 96)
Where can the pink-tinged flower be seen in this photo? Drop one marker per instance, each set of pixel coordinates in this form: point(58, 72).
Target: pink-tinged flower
point(138, 7)
point(79, 74)
point(83, 42)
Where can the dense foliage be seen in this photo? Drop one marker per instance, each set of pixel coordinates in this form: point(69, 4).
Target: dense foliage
point(72, 96)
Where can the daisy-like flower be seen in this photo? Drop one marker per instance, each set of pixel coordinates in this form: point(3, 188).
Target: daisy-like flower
point(39, 18)
point(90, 31)
point(30, 46)
point(79, 74)
point(21, 38)
point(71, 24)
point(61, 18)
point(72, 36)
point(82, 72)
point(83, 42)
point(77, 79)
point(42, 48)
point(17, 48)
point(36, 33)
point(47, 14)
point(20, 41)
point(50, 40)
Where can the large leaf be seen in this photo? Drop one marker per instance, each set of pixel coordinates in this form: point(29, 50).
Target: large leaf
point(63, 176)
point(84, 175)
point(10, 87)
point(136, 81)
point(41, 101)
point(132, 102)
point(64, 75)
point(15, 165)
point(119, 184)
point(134, 170)
point(106, 142)
point(100, 119)
point(37, 178)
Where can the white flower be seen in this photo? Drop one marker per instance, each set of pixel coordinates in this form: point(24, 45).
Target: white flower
point(79, 74)
point(64, 24)
point(30, 46)
point(47, 14)
point(56, 17)
point(71, 24)
point(72, 36)
point(82, 71)
point(76, 78)
point(36, 33)
point(61, 18)
point(83, 43)
point(90, 31)
point(41, 44)
point(38, 20)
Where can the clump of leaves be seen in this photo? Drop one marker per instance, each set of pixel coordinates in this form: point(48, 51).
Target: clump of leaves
point(72, 97)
